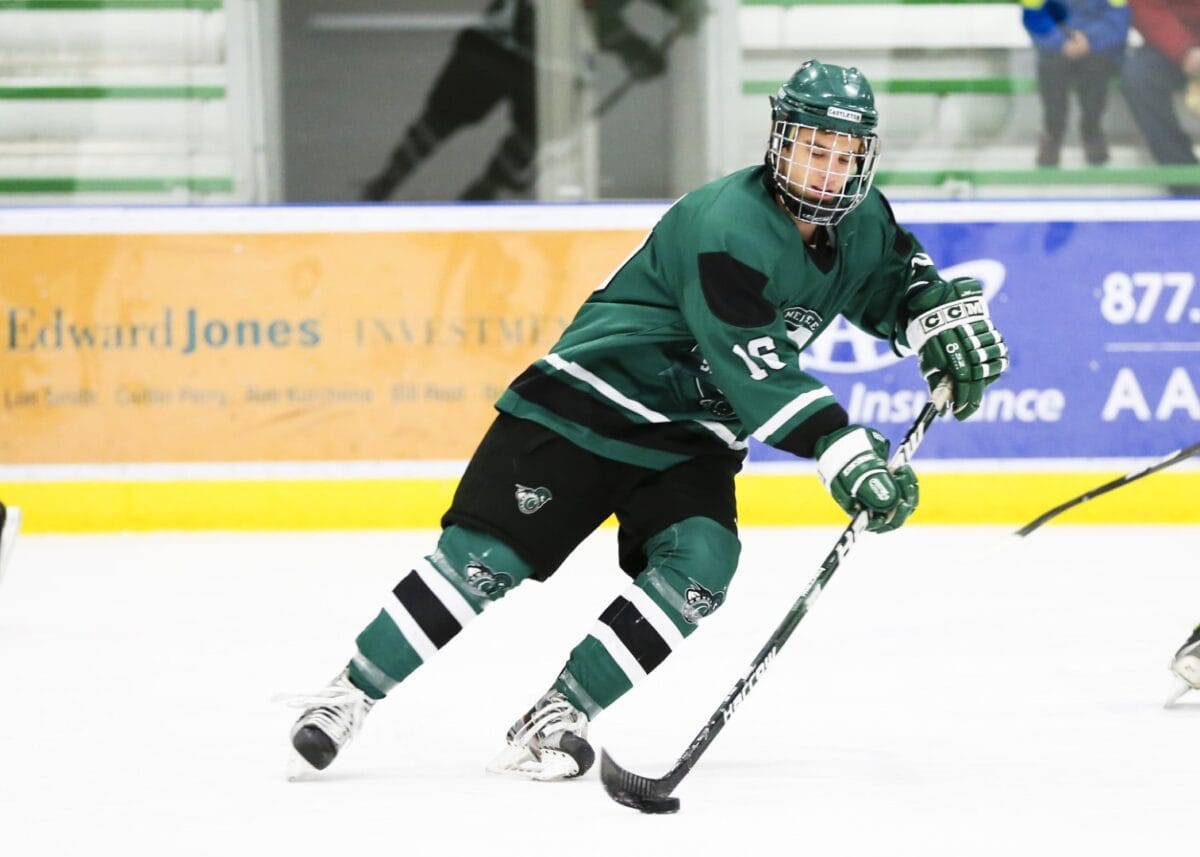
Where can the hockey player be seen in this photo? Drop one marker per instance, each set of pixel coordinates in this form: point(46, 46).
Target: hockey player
point(644, 407)
point(1186, 665)
point(493, 62)
point(10, 524)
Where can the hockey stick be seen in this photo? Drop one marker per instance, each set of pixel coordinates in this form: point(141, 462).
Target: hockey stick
point(653, 796)
point(1164, 462)
point(10, 524)
point(547, 152)
point(617, 92)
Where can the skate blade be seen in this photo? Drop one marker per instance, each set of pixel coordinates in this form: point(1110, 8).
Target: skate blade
point(519, 762)
point(298, 770)
point(8, 537)
point(1179, 690)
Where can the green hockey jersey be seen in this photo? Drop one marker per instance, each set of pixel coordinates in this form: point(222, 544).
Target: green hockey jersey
point(692, 346)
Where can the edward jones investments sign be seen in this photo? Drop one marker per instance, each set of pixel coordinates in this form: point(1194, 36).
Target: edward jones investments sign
point(386, 333)
point(276, 347)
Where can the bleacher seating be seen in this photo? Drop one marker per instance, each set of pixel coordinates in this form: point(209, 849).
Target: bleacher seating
point(121, 101)
point(159, 100)
point(957, 91)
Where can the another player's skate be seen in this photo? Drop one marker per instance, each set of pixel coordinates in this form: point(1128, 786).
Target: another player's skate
point(1187, 666)
point(548, 743)
point(332, 717)
point(10, 523)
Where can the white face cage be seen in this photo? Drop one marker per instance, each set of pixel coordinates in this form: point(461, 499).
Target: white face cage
point(821, 174)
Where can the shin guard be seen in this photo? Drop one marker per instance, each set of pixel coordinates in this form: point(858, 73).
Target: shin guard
point(689, 567)
point(431, 604)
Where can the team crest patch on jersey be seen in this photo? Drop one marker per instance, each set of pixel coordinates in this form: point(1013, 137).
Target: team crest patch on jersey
point(708, 394)
point(483, 581)
point(801, 323)
point(529, 500)
point(699, 602)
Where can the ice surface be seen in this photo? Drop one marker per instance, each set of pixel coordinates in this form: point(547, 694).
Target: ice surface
point(954, 692)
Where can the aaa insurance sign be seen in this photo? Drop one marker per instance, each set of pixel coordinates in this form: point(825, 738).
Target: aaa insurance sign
point(1103, 325)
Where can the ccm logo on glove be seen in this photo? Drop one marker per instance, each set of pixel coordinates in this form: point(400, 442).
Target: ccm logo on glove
point(952, 331)
point(955, 313)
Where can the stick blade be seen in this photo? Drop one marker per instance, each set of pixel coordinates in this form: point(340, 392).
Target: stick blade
point(636, 792)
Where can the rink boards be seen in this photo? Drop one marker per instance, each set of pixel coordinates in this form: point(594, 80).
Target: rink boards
point(333, 367)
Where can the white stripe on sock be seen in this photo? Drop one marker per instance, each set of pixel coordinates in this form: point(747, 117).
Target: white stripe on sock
point(624, 658)
point(655, 615)
point(446, 593)
point(408, 626)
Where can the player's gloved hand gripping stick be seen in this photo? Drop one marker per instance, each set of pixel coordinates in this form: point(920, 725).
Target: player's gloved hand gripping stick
point(654, 795)
point(952, 331)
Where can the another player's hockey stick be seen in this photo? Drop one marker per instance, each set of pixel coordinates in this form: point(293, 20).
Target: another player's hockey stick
point(1164, 462)
point(654, 796)
point(618, 92)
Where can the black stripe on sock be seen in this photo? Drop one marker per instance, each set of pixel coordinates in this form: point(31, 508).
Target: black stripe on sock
point(427, 611)
point(638, 635)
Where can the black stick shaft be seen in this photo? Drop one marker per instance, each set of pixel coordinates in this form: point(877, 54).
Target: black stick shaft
point(1164, 462)
point(617, 780)
point(618, 91)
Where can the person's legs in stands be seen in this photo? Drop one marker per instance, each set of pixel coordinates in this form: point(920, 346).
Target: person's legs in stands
point(1053, 72)
point(1093, 75)
point(1149, 83)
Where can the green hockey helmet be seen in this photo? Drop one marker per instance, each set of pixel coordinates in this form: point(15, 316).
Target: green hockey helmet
point(823, 145)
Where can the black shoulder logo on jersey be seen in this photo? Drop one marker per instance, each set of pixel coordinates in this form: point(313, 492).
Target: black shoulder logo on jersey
point(802, 323)
point(699, 602)
point(529, 500)
point(483, 581)
point(734, 291)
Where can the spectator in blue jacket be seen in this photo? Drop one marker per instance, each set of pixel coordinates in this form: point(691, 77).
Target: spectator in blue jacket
point(1080, 46)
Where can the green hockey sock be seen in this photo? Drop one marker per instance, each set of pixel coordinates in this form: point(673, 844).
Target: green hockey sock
point(431, 604)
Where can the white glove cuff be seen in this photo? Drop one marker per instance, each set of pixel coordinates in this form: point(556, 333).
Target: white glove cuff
point(954, 314)
point(841, 452)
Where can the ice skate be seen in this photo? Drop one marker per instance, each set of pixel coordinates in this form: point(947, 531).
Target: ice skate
point(10, 523)
point(1186, 666)
point(332, 717)
point(548, 743)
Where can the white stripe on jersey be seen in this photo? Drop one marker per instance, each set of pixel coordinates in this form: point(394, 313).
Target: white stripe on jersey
point(605, 389)
point(614, 395)
point(723, 433)
point(790, 410)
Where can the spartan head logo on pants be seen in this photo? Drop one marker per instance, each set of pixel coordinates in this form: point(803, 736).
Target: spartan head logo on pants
point(529, 500)
point(490, 584)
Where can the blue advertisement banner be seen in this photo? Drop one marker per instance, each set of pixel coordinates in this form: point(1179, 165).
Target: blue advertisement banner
point(1103, 323)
